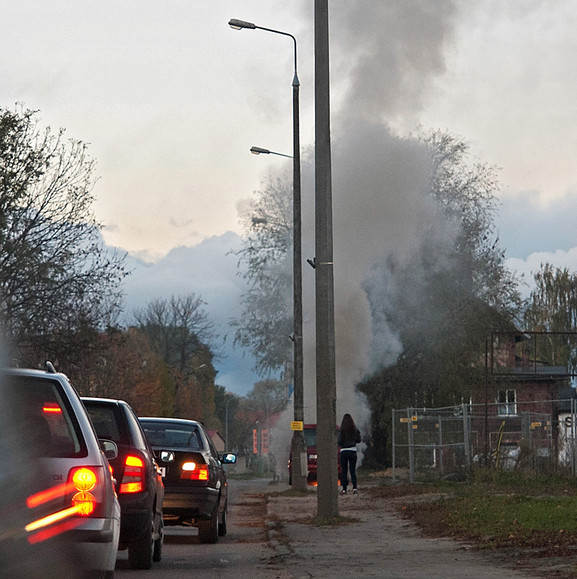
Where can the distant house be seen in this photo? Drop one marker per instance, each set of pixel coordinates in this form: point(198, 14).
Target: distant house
point(524, 395)
point(218, 440)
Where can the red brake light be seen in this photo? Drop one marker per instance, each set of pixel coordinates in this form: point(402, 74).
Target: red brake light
point(133, 477)
point(51, 408)
point(193, 471)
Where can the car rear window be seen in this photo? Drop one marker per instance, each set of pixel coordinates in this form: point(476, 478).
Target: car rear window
point(45, 417)
point(173, 435)
point(106, 422)
point(310, 436)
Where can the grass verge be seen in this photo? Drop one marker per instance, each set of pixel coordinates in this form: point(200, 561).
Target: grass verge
point(495, 510)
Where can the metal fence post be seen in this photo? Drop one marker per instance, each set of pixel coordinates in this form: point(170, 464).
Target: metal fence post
point(393, 442)
point(411, 449)
point(573, 429)
point(440, 445)
point(466, 437)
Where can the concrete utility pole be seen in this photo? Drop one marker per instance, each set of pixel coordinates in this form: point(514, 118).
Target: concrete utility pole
point(327, 468)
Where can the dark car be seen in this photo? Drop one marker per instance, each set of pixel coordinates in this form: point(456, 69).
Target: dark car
point(138, 482)
point(196, 486)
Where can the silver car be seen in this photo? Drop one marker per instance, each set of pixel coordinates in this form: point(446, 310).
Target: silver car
point(60, 515)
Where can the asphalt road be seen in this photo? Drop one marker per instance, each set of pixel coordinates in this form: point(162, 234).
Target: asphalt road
point(242, 552)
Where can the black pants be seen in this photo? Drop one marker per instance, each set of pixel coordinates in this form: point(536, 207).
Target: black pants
point(348, 463)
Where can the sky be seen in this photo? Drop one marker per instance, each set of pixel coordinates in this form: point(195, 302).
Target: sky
point(170, 99)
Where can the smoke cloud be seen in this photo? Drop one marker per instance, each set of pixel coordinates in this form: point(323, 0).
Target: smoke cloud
point(384, 55)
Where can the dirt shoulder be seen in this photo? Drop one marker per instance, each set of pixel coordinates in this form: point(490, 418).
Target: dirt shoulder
point(549, 555)
point(377, 538)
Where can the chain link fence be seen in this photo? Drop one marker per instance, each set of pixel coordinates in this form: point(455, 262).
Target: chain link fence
point(448, 442)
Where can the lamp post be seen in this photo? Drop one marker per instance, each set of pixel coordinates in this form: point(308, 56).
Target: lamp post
point(298, 442)
point(227, 447)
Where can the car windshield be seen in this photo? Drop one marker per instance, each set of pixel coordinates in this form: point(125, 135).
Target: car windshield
point(47, 421)
point(172, 435)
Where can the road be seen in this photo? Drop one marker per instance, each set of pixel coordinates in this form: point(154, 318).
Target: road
point(242, 552)
point(275, 539)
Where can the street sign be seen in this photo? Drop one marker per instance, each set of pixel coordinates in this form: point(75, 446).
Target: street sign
point(297, 425)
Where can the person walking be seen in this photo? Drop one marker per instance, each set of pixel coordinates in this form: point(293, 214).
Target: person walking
point(349, 437)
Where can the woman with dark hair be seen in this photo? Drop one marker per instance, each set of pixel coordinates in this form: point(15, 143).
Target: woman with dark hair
point(349, 437)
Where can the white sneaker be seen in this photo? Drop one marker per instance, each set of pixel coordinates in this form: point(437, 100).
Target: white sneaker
point(343, 492)
point(354, 491)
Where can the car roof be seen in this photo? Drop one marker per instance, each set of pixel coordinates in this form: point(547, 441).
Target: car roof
point(173, 420)
point(32, 372)
point(111, 401)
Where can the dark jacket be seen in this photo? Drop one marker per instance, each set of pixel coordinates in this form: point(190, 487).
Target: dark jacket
point(349, 441)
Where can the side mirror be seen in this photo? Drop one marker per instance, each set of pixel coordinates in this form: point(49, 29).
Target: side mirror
point(167, 456)
point(109, 449)
point(229, 458)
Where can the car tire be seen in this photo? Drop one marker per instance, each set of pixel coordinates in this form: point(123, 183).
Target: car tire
point(222, 525)
point(140, 552)
point(157, 548)
point(208, 529)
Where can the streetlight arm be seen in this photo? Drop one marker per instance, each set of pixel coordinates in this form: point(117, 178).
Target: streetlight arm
point(240, 24)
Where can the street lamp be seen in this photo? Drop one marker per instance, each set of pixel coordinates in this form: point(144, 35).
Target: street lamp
point(298, 441)
point(261, 151)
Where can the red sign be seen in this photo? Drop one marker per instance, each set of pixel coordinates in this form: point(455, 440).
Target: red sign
point(264, 441)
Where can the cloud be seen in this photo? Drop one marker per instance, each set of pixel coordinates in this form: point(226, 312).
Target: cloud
point(208, 270)
point(528, 223)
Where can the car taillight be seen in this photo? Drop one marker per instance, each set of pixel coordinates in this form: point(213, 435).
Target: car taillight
point(192, 471)
point(81, 496)
point(133, 477)
point(86, 484)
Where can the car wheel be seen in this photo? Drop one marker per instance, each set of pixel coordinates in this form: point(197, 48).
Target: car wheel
point(208, 530)
point(222, 525)
point(140, 552)
point(157, 549)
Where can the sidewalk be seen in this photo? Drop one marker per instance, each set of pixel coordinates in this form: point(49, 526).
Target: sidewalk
point(377, 543)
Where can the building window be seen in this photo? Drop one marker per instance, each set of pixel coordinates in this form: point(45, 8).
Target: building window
point(507, 402)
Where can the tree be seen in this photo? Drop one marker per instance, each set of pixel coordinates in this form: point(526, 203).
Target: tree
point(127, 368)
point(268, 397)
point(552, 309)
point(454, 288)
point(266, 321)
point(444, 299)
point(58, 283)
point(181, 332)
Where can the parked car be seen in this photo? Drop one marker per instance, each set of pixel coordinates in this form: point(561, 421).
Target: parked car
point(310, 435)
point(64, 502)
point(195, 481)
point(139, 485)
